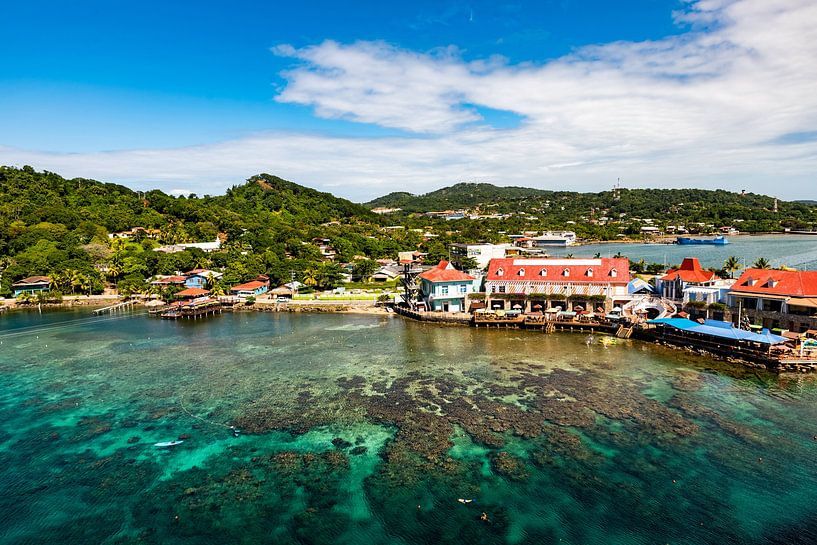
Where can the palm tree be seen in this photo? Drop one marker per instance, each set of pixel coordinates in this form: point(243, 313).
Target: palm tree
point(310, 277)
point(618, 255)
point(731, 265)
point(762, 263)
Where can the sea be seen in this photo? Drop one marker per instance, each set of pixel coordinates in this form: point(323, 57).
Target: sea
point(372, 429)
point(797, 251)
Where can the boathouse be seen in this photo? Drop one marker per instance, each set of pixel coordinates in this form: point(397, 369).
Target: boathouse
point(541, 284)
point(31, 285)
point(444, 288)
point(776, 299)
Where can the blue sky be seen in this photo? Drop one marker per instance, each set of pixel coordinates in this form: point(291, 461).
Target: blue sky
point(361, 97)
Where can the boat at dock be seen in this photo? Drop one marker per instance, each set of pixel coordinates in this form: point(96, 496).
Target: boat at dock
point(719, 240)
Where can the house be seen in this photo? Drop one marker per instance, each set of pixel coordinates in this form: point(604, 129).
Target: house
point(387, 272)
point(444, 288)
point(716, 292)
point(203, 246)
point(250, 289)
point(481, 253)
point(689, 274)
point(166, 281)
point(776, 298)
point(539, 284)
point(31, 285)
point(199, 278)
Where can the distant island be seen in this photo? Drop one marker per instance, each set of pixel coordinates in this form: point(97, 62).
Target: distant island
point(91, 235)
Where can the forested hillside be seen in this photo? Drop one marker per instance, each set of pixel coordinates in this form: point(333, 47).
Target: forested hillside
point(670, 206)
point(51, 225)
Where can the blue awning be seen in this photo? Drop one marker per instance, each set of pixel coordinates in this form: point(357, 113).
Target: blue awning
point(723, 330)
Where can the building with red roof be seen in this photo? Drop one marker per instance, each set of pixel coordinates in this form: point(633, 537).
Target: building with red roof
point(776, 298)
point(444, 288)
point(538, 284)
point(251, 289)
point(689, 274)
point(191, 293)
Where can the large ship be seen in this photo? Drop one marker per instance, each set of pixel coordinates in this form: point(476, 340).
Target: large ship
point(719, 240)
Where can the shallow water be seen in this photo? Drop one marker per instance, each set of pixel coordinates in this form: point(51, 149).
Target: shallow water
point(367, 429)
point(799, 251)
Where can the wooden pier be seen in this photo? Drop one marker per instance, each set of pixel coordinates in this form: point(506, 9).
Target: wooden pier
point(195, 309)
point(124, 305)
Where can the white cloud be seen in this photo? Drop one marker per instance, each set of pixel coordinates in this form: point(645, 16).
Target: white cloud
point(707, 108)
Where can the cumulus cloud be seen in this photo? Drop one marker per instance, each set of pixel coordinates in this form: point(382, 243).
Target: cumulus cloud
point(713, 107)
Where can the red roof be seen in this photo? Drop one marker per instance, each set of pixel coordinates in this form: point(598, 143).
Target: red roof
point(691, 272)
point(441, 273)
point(774, 282)
point(249, 286)
point(611, 270)
point(192, 292)
point(171, 280)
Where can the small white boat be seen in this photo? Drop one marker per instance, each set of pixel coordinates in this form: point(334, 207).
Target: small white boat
point(168, 443)
point(462, 500)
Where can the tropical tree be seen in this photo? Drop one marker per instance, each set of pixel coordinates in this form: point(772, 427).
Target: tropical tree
point(762, 263)
point(310, 277)
point(731, 265)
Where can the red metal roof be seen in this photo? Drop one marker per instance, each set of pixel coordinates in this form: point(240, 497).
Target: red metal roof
point(441, 273)
point(248, 286)
point(774, 282)
point(690, 271)
point(583, 271)
point(192, 292)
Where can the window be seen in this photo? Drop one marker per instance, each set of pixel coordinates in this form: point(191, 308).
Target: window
point(543, 272)
point(500, 271)
point(566, 272)
point(463, 289)
point(501, 289)
point(443, 290)
point(521, 272)
point(589, 272)
point(613, 273)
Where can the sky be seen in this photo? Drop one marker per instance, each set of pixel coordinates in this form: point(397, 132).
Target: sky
point(364, 98)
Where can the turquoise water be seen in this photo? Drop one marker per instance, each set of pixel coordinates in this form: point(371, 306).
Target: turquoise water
point(798, 251)
point(367, 429)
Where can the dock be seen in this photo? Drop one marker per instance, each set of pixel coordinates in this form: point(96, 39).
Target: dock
point(124, 305)
point(197, 308)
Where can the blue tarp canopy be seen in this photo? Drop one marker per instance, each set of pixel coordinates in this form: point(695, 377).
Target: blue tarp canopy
point(723, 330)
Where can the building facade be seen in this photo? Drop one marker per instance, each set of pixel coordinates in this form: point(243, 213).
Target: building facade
point(539, 284)
point(445, 289)
point(689, 274)
point(776, 299)
point(31, 285)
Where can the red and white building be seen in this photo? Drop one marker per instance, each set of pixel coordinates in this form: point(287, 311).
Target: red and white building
point(689, 274)
point(538, 284)
point(774, 298)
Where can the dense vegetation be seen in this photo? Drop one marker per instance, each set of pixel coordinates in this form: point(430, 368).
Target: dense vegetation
point(58, 227)
point(749, 212)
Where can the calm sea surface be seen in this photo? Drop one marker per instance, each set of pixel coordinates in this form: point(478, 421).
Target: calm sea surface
point(368, 429)
point(798, 251)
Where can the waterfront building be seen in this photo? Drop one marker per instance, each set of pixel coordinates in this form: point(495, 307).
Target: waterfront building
point(31, 285)
point(482, 253)
point(387, 272)
point(776, 299)
point(689, 274)
point(192, 293)
point(250, 289)
point(540, 284)
point(715, 292)
point(444, 288)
